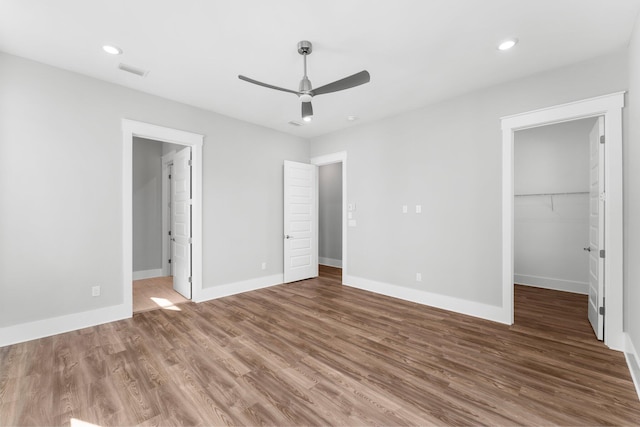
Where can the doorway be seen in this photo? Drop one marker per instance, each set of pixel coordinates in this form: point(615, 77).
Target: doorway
point(553, 214)
point(184, 139)
point(610, 107)
point(330, 219)
point(155, 285)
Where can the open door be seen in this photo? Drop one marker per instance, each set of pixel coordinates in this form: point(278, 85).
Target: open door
point(181, 222)
point(300, 221)
point(596, 228)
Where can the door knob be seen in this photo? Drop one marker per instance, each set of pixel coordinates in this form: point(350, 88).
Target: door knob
point(588, 249)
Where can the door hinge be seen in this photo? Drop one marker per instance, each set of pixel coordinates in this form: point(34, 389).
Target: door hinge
point(189, 279)
point(189, 163)
point(169, 176)
point(603, 196)
point(169, 232)
point(169, 261)
point(601, 139)
point(601, 311)
point(601, 253)
point(190, 240)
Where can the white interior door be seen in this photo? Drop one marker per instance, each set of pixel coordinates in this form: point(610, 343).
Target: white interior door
point(181, 222)
point(596, 229)
point(300, 221)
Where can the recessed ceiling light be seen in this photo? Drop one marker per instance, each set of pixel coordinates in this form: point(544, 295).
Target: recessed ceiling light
point(112, 50)
point(507, 44)
point(352, 118)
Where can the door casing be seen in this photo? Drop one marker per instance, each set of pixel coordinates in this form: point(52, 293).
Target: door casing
point(339, 157)
point(130, 129)
point(609, 106)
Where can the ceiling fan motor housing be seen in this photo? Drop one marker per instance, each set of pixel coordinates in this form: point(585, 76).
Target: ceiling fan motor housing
point(305, 47)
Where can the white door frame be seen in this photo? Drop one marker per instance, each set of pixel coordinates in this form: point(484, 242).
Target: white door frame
point(609, 106)
point(328, 159)
point(167, 160)
point(131, 129)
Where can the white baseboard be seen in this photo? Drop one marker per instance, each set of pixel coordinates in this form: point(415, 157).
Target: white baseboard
point(215, 292)
point(470, 308)
point(330, 262)
point(551, 283)
point(59, 325)
point(147, 274)
point(633, 361)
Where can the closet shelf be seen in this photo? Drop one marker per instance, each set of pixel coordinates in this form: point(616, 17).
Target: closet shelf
point(552, 194)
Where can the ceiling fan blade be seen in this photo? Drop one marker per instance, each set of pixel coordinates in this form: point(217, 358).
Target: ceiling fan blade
point(307, 109)
point(255, 82)
point(348, 82)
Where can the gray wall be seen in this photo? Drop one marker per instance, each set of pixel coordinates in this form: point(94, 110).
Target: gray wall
point(550, 232)
point(147, 204)
point(330, 213)
point(61, 221)
point(446, 157)
point(632, 194)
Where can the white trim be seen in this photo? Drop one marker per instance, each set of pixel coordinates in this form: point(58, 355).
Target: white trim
point(633, 362)
point(167, 160)
point(328, 159)
point(330, 262)
point(58, 325)
point(469, 308)
point(147, 274)
point(572, 286)
point(221, 291)
point(609, 106)
point(131, 128)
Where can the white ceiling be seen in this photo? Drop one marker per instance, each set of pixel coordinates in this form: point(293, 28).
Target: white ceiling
point(417, 51)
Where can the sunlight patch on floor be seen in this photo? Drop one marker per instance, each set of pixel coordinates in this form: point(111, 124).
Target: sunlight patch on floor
point(165, 303)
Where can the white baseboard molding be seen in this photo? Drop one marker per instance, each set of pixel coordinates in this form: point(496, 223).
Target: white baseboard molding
point(551, 283)
point(226, 290)
point(147, 274)
point(633, 361)
point(470, 308)
point(58, 325)
point(330, 262)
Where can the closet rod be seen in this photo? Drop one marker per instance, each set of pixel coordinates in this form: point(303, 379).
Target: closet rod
point(552, 194)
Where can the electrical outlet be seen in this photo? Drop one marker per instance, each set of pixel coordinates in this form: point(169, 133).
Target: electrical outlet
point(418, 208)
point(264, 265)
point(95, 291)
point(418, 277)
point(405, 209)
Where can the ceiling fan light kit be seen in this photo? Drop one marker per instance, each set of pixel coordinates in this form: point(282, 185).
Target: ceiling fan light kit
point(305, 90)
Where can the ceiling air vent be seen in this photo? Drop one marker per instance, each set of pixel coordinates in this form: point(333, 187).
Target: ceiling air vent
point(296, 124)
point(133, 70)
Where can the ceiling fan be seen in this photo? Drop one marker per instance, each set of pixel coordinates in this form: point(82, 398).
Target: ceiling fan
point(305, 91)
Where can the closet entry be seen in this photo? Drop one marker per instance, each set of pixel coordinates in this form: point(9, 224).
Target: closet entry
point(558, 225)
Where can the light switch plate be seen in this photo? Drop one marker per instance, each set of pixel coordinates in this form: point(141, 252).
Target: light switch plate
point(418, 208)
point(405, 209)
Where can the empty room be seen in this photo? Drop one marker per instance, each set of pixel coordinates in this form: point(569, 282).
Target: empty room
point(319, 213)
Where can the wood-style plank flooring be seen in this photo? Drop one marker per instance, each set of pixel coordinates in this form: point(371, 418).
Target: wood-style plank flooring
point(155, 293)
point(318, 353)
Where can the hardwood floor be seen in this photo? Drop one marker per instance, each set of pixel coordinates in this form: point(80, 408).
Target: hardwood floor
point(155, 293)
point(318, 353)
